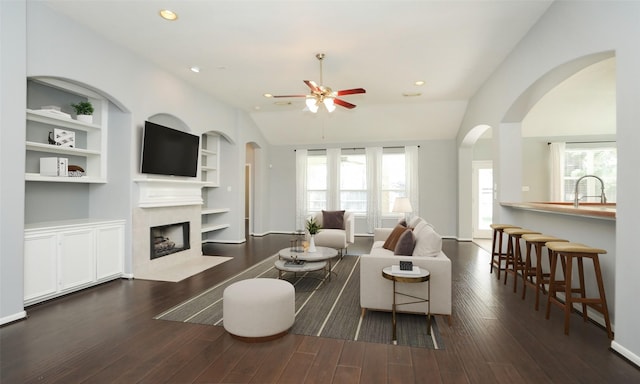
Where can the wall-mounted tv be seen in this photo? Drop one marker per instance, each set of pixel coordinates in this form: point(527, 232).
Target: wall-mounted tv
point(167, 151)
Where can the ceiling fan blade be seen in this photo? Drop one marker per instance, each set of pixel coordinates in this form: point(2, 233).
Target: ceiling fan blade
point(350, 91)
point(343, 103)
point(311, 84)
point(276, 96)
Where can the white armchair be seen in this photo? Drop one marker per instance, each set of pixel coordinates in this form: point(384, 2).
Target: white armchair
point(336, 238)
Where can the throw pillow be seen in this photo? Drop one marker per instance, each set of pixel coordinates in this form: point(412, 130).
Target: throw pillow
point(428, 242)
point(405, 243)
point(392, 240)
point(333, 219)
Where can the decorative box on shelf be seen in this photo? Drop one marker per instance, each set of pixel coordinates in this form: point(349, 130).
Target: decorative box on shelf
point(54, 166)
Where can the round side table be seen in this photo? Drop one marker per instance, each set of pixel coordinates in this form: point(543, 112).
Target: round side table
point(419, 275)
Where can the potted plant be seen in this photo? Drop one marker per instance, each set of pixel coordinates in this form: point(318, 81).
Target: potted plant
point(84, 111)
point(313, 228)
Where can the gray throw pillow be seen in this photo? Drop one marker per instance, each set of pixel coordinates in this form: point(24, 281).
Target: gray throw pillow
point(406, 243)
point(333, 219)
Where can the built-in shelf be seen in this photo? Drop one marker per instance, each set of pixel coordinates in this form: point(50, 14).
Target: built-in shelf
point(90, 139)
point(213, 211)
point(213, 218)
point(211, 228)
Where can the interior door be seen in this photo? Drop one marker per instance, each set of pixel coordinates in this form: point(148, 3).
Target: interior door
point(482, 204)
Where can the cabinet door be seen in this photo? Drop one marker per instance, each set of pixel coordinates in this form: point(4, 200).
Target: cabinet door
point(40, 266)
point(77, 258)
point(109, 251)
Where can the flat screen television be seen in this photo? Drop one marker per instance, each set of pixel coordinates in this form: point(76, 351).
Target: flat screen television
point(167, 151)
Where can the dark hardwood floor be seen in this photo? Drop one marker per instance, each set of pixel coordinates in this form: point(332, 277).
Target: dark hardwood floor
point(106, 334)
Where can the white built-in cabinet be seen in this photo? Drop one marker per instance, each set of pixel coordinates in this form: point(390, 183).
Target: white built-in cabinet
point(89, 150)
point(63, 257)
point(212, 215)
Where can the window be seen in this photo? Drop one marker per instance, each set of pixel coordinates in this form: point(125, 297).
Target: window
point(353, 183)
point(393, 180)
point(346, 186)
point(590, 159)
point(317, 181)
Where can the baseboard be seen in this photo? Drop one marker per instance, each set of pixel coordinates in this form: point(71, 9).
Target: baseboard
point(15, 317)
point(625, 353)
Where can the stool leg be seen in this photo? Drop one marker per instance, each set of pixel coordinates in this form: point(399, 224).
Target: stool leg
point(518, 265)
point(527, 270)
point(539, 277)
point(583, 293)
point(509, 258)
point(552, 283)
point(568, 299)
point(493, 252)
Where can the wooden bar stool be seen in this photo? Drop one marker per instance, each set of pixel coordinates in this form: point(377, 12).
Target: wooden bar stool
point(497, 255)
point(570, 251)
point(514, 262)
point(536, 241)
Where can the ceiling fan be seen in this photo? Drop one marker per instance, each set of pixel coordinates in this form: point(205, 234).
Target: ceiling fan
point(323, 95)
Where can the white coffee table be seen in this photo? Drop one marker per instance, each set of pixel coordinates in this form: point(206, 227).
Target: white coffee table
point(313, 261)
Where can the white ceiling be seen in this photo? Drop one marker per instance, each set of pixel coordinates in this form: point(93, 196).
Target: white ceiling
point(248, 48)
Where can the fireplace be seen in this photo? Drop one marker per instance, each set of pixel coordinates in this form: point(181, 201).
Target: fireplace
point(168, 239)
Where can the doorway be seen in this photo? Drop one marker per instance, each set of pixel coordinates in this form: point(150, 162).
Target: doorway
point(482, 201)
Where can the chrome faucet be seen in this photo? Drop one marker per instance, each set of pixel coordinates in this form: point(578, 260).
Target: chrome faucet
point(576, 199)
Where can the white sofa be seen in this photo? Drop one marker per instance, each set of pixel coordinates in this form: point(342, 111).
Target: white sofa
point(339, 239)
point(376, 292)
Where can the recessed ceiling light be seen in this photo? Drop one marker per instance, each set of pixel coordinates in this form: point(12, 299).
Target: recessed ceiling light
point(267, 95)
point(419, 83)
point(168, 15)
point(195, 69)
point(411, 94)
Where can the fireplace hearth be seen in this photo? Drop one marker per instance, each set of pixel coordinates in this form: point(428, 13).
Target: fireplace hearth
point(168, 239)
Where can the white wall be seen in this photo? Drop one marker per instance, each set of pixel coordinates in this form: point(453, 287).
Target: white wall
point(438, 185)
point(571, 30)
point(12, 131)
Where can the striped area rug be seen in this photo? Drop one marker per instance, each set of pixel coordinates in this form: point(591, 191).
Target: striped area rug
point(326, 309)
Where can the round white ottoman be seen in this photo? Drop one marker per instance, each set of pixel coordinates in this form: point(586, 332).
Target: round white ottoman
point(258, 309)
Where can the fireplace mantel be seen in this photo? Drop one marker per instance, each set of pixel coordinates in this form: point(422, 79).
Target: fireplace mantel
point(155, 193)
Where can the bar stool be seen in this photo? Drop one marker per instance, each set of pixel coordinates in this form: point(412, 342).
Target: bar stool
point(514, 262)
point(570, 251)
point(497, 256)
point(541, 278)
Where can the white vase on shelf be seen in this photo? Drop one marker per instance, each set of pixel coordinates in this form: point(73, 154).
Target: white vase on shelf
point(85, 118)
point(312, 244)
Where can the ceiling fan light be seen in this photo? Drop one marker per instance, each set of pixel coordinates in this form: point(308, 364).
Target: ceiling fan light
point(328, 103)
point(311, 104)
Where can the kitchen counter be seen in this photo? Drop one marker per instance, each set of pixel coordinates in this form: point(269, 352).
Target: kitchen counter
point(594, 210)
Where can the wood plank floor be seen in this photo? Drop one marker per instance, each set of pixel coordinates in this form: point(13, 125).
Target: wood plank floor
point(106, 334)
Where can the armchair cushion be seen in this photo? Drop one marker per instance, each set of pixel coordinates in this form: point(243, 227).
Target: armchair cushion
point(333, 219)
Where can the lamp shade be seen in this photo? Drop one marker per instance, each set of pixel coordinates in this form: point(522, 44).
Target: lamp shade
point(402, 205)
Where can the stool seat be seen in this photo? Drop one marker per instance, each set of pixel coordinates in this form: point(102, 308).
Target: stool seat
point(538, 241)
point(514, 262)
point(502, 226)
point(541, 238)
point(573, 247)
point(519, 231)
point(497, 254)
point(568, 251)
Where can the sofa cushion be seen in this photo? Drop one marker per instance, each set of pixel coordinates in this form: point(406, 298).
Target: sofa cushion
point(392, 240)
point(428, 242)
point(333, 219)
point(406, 243)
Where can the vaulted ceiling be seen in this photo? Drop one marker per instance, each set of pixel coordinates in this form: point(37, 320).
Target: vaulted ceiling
point(245, 49)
